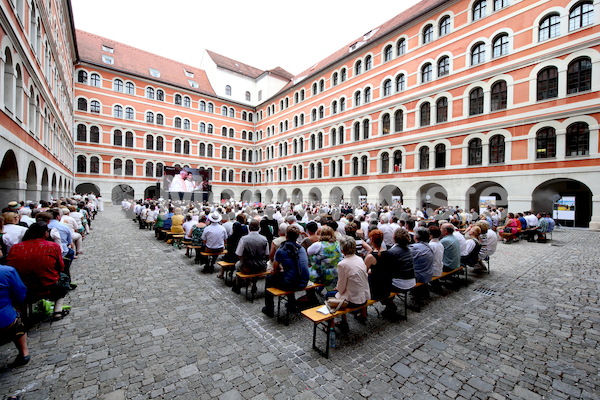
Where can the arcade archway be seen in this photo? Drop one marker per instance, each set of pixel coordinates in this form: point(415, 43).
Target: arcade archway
point(571, 195)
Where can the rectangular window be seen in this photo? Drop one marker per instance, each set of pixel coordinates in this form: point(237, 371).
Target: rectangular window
point(108, 59)
point(154, 72)
point(108, 49)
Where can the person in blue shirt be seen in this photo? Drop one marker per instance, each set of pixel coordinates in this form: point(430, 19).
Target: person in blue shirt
point(167, 221)
point(12, 294)
point(451, 245)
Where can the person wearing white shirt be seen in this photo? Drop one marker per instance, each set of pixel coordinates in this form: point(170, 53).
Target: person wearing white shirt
point(25, 213)
point(13, 233)
point(461, 240)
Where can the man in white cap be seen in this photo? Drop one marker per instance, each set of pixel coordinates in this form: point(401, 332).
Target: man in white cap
point(214, 237)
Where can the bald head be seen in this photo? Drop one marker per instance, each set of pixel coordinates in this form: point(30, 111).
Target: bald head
point(447, 229)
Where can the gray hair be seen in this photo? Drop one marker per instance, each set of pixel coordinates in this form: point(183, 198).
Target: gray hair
point(422, 234)
point(348, 245)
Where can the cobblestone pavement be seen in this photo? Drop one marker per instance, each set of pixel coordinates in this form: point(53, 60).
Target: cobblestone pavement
point(147, 324)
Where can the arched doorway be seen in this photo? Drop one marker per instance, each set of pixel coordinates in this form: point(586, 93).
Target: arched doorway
point(390, 195)
point(336, 196)
point(562, 191)
point(297, 196)
point(257, 197)
point(152, 192)
point(9, 179)
point(246, 196)
point(226, 195)
point(269, 196)
point(281, 196)
point(45, 195)
point(87, 188)
point(484, 193)
point(358, 195)
point(31, 193)
point(121, 192)
point(314, 195)
point(53, 187)
point(432, 196)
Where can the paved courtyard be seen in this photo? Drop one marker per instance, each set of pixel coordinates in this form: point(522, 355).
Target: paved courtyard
point(147, 324)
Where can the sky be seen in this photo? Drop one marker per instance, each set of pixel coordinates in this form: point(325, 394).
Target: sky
point(262, 33)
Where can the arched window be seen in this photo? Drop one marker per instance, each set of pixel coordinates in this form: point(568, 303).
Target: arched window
point(545, 143)
point(94, 165)
point(579, 75)
point(424, 157)
point(118, 137)
point(500, 45)
point(319, 140)
point(149, 169)
point(210, 129)
point(367, 95)
point(231, 153)
point(387, 87)
point(549, 27)
point(227, 90)
point(159, 170)
point(578, 139)
point(358, 67)
point(444, 26)
point(231, 175)
point(150, 93)
point(149, 142)
point(311, 168)
point(248, 96)
point(232, 112)
point(399, 121)
point(223, 175)
point(582, 14)
point(129, 139)
point(475, 149)
point(357, 98)
point(334, 107)
point(443, 66)
point(118, 166)
point(340, 168)
point(441, 110)
point(356, 131)
point(364, 162)
point(426, 73)
point(425, 114)
point(81, 164)
point(129, 88)
point(387, 53)
point(401, 47)
point(478, 53)
point(187, 102)
point(321, 112)
point(129, 113)
point(82, 77)
point(202, 105)
point(368, 63)
point(95, 106)
point(385, 163)
point(332, 169)
point(211, 108)
point(547, 83)
point(177, 146)
point(118, 111)
point(82, 104)
point(479, 9)
point(160, 143)
point(177, 122)
point(129, 168)
point(319, 170)
point(385, 124)
point(160, 95)
point(95, 80)
point(476, 101)
point(202, 150)
point(224, 111)
point(400, 83)
point(355, 166)
point(366, 128)
point(497, 149)
point(321, 85)
point(94, 134)
point(118, 85)
point(397, 161)
point(343, 75)
point(81, 133)
point(440, 156)
point(428, 34)
point(178, 99)
point(342, 104)
point(186, 147)
point(499, 96)
point(149, 117)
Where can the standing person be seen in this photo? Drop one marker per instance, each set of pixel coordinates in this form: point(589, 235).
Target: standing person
point(253, 251)
point(12, 296)
point(387, 230)
point(290, 270)
point(39, 263)
point(214, 237)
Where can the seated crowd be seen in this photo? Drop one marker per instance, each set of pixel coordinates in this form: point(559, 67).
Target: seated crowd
point(38, 244)
point(354, 254)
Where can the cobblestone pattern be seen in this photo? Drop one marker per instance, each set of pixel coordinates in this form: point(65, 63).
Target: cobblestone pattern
point(147, 324)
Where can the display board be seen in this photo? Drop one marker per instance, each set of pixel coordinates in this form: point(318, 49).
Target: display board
point(183, 183)
point(564, 209)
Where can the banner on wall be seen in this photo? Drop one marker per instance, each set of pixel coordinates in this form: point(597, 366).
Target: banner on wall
point(485, 201)
point(565, 209)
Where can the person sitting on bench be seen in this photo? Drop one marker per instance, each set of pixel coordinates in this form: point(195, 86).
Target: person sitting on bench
point(253, 250)
point(290, 270)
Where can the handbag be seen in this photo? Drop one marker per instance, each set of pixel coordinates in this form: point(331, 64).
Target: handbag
point(508, 230)
point(64, 282)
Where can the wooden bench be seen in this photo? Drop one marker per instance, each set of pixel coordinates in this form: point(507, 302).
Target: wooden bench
point(282, 295)
point(177, 239)
point(192, 247)
point(326, 323)
point(226, 270)
point(252, 278)
point(212, 258)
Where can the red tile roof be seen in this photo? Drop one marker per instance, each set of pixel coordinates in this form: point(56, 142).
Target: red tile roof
point(382, 30)
point(135, 61)
point(235, 66)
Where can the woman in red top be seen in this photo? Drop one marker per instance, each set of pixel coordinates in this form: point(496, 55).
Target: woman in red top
point(510, 229)
point(39, 263)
